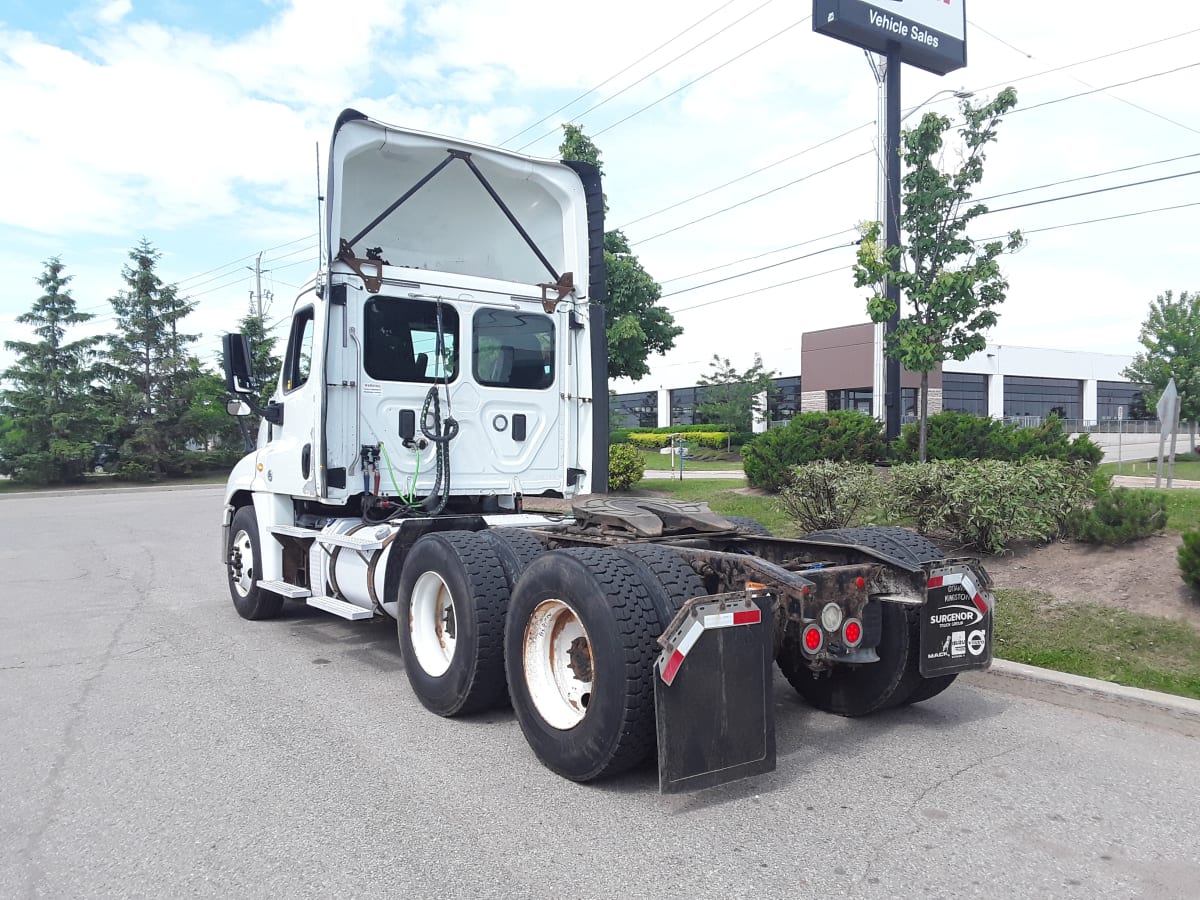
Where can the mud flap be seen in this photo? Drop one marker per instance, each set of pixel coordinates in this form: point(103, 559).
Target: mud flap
point(712, 693)
point(956, 621)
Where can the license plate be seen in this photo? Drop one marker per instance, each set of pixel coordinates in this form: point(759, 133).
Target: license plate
point(956, 621)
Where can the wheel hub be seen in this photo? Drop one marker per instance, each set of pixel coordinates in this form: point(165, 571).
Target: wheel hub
point(558, 664)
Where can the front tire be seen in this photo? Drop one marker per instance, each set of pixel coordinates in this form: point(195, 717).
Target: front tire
point(450, 620)
point(243, 564)
point(580, 645)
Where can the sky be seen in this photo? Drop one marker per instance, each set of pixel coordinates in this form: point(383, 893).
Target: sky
point(733, 136)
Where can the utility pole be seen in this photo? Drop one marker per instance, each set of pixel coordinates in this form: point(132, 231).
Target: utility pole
point(892, 230)
point(258, 283)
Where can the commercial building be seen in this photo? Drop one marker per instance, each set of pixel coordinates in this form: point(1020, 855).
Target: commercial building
point(837, 371)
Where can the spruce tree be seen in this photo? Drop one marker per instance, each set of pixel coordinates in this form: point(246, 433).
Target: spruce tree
point(151, 367)
point(48, 401)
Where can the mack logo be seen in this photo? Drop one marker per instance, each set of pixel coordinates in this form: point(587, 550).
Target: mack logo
point(954, 615)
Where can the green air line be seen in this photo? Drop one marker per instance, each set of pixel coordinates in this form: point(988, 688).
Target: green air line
point(387, 459)
point(416, 474)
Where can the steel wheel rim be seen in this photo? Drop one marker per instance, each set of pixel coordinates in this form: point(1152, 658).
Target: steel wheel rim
point(432, 624)
point(558, 665)
point(241, 563)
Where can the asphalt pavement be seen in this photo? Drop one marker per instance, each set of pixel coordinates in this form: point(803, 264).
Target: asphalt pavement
point(154, 744)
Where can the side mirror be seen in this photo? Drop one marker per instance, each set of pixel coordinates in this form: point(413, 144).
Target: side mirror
point(239, 380)
point(235, 350)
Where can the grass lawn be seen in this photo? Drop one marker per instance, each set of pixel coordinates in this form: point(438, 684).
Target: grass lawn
point(94, 482)
point(1188, 469)
point(721, 497)
point(1079, 638)
point(654, 461)
point(1098, 642)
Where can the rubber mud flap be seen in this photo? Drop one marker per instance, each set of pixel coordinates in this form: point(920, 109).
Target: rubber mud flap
point(716, 719)
point(956, 621)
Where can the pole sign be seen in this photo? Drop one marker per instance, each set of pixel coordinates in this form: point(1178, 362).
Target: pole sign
point(931, 34)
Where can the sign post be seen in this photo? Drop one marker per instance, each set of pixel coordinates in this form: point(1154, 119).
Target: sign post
point(1168, 421)
point(928, 34)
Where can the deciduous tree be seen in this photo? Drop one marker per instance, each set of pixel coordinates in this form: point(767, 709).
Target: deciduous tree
point(952, 285)
point(1171, 338)
point(733, 398)
point(635, 324)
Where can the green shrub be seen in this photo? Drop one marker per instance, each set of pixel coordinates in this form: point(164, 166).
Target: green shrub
point(132, 470)
point(988, 504)
point(958, 435)
point(624, 466)
point(736, 438)
point(1189, 558)
point(826, 494)
point(841, 436)
point(620, 435)
point(717, 440)
point(1120, 515)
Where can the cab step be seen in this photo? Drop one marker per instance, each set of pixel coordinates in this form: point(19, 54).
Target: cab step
point(340, 608)
point(353, 541)
point(283, 589)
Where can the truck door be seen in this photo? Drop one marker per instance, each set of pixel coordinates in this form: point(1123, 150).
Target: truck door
point(290, 456)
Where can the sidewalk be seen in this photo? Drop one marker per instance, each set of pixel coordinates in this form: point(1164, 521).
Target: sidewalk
point(689, 474)
point(1147, 481)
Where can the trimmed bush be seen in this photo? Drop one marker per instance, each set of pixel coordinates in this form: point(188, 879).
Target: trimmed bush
point(958, 435)
point(1189, 558)
point(827, 494)
point(1120, 515)
point(736, 438)
point(841, 436)
point(624, 466)
point(988, 504)
point(717, 440)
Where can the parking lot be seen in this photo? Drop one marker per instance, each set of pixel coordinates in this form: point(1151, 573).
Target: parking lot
point(154, 743)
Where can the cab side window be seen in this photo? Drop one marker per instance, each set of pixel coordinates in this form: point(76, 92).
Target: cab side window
point(298, 363)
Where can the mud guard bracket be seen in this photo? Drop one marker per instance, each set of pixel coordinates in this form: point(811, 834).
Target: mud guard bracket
point(713, 692)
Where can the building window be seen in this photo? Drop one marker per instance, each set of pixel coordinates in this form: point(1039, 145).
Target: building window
point(853, 398)
point(783, 400)
point(685, 406)
point(400, 340)
point(1121, 400)
point(634, 410)
point(1040, 398)
point(965, 392)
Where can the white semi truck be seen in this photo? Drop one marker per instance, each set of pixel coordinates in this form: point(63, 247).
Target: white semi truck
point(445, 367)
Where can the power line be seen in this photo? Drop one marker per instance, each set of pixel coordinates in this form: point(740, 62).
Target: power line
point(756, 256)
point(684, 87)
point(760, 290)
point(1051, 184)
point(649, 74)
point(1115, 187)
point(747, 175)
point(1021, 109)
point(773, 190)
point(241, 259)
point(1140, 212)
point(776, 265)
point(641, 58)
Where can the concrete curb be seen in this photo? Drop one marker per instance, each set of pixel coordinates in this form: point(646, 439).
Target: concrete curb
point(91, 492)
point(1180, 714)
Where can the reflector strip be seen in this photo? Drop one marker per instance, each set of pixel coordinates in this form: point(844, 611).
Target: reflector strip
point(748, 617)
point(668, 674)
point(962, 578)
point(698, 627)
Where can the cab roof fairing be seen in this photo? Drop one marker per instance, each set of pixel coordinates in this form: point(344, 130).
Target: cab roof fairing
point(451, 224)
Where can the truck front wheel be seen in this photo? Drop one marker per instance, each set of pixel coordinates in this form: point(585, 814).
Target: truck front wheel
point(243, 566)
point(450, 619)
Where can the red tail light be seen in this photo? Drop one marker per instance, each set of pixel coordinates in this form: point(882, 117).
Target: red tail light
point(852, 633)
point(812, 638)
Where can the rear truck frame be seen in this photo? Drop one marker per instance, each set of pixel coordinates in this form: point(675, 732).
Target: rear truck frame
point(434, 386)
